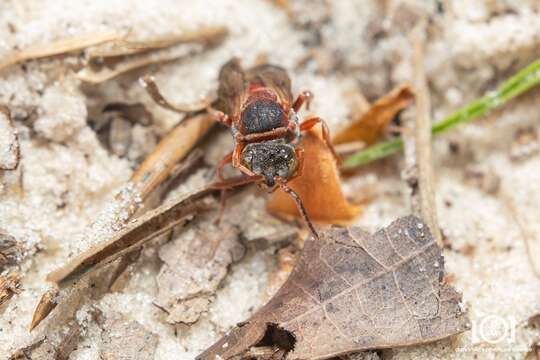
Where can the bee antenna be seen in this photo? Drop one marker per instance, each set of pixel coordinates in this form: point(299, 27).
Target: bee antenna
point(300, 207)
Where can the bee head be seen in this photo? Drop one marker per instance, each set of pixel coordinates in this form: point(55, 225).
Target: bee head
point(270, 159)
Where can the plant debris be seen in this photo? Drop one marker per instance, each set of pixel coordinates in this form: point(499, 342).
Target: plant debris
point(195, 263)
point(146, 181)
point(143, 229)
point(122, 55)
point(10, 250)
point(46, 304)
point(10, 285)
point(127, 340)
point(9, 142)
point(368, 126)
point(420, 167)
point(353, 291)
point(319, 187)
point(59, 47)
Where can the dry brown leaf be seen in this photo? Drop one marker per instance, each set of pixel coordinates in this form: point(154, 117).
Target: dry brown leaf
point(59, 47)
point(204, 249)
point(369, 126)
point(10, 285)
point(319, 187)
point(9, 142)
point(127, 340)
point(353, 291)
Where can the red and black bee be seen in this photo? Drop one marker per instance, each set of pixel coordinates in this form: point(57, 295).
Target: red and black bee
point(257, 105)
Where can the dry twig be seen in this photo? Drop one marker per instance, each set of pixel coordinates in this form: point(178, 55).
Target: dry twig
point(423, 199)
point(59, 47)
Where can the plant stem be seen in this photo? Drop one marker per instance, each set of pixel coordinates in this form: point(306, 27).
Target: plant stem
point(522, 81)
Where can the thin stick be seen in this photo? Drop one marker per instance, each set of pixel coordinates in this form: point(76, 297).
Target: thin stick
point(428, 210)
point(59, 47)
point(518, 84)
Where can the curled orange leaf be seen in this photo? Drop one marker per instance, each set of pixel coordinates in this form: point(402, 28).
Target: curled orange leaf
point(369, 126)
point(319, 187)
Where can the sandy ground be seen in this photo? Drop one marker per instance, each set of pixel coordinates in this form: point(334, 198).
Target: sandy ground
point(68, 176)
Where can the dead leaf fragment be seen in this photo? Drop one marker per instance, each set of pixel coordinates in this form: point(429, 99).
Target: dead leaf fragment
point(9, 142)
point(10, 285)
point(369, 126)
point(352, 291)
point(127, 340)
point(319, 187)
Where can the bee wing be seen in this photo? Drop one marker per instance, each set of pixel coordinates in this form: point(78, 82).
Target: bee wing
point(232, 86)
point(274, 77)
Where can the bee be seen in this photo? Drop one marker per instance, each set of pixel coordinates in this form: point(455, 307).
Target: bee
point(257, 105)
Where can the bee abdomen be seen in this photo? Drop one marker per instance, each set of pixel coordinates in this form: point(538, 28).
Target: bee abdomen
point(261, 116)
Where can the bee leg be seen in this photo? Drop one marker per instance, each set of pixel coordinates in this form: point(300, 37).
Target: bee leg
point(310, 123)
point(299, 205)
point(148, 83)
point(219, 174)
point(305, 96)
point(221, 164)
point(234, 158)
point(220, 116)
